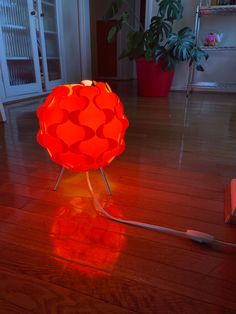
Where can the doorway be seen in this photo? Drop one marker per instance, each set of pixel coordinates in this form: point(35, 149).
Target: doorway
point(105, 57)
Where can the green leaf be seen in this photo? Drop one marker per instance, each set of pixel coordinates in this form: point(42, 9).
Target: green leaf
point(135, 45)
point(158, 30)
point(160, 53)
point(164, 58)
point(149, 54)
point(196, 55)
point(125, 16)
point(117, 27)
point(172, 9)
point(112, 33)
point(199, 68)
point(180, 45)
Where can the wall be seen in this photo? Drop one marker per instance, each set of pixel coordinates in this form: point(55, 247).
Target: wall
point(218, 62)
point(70, 43)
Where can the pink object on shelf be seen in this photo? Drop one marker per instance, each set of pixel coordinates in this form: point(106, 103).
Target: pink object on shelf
point(212, 39)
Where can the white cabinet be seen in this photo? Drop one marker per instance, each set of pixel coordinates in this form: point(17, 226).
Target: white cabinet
point(49, 42)
point(18, 48)
point(30, 47)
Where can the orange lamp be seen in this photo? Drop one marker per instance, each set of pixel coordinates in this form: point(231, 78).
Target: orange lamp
point(82, 126)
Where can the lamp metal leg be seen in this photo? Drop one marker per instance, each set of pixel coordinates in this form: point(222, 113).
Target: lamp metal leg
point(58, 178)
point(106, 181)
point(102, 173)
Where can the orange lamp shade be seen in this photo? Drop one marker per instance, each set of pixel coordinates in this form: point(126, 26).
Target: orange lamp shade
point(82, 126)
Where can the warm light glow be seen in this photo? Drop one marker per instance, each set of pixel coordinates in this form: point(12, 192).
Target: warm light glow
point(85, 239)
point(82, 126)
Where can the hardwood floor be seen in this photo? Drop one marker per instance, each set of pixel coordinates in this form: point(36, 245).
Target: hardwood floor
point(58, 256)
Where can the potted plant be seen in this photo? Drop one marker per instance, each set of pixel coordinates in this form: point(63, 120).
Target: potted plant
point(157, 49)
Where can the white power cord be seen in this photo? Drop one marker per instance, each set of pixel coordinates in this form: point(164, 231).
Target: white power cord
point(194, 235)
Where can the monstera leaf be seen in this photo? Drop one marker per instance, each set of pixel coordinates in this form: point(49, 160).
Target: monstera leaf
point(196, 55)
point(163, 56)
point(181, 44)
point(159, 29)
point(182, 47)
point(172, 9)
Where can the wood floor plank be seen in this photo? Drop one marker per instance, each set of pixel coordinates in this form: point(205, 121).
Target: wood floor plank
point(131, 263)
point(13, 200)
point(176, 199)
point(41, 227)
point(48, 208)
point(55, 253)
point(117, 290)
point(36, 296)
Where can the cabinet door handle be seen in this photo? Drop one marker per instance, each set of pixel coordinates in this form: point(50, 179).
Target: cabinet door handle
point(32, 12)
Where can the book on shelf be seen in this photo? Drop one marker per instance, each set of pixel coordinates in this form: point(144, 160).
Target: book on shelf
point(223, 2)
point(209, 3)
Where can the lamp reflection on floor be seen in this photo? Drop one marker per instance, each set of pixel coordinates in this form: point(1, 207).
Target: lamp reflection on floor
point(83, 238)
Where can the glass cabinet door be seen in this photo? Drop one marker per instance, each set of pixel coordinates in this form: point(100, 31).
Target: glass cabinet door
point(18, 48)
point(50, 42)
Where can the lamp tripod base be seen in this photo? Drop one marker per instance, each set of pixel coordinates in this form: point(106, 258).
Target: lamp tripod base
point(101, 171)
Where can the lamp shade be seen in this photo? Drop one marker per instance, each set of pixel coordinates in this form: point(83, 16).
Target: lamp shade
point(82, 126)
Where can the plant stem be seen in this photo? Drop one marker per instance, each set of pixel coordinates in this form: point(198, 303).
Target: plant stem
point(130, 27)
point(131, 10)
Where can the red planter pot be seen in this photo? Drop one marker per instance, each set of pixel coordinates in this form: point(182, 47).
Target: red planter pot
point(152, 80)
